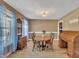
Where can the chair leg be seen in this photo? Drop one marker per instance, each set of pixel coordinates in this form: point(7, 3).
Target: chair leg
point(33, 47)
point(39, 46)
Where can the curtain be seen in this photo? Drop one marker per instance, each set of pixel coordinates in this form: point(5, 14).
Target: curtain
point(25, 27)
point(14, 39)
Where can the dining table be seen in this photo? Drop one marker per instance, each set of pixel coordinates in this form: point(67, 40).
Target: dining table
point(42, 39)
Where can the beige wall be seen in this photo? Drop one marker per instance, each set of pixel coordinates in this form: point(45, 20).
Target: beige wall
point(67, 18)
point(39, 25)
point(18, 15)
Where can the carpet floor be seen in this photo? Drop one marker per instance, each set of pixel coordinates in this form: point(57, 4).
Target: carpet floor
point(48, 53)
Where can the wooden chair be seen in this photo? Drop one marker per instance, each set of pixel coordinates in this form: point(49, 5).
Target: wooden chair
point(36, 44)
point(49, 43)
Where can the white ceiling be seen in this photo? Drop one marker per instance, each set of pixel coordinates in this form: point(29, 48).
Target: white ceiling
point(32, 8)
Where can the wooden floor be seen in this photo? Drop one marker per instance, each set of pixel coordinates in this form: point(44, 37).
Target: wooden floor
point(48, 53)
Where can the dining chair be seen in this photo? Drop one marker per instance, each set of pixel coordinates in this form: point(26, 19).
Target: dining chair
point(36, 44)
point(49, 43)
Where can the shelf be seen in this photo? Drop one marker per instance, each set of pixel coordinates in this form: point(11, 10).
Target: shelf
point(19, 26)
point(19, 34)
point(60, 29)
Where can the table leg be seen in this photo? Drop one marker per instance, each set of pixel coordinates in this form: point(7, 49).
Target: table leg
point(43, 45)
